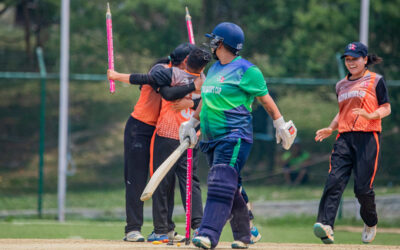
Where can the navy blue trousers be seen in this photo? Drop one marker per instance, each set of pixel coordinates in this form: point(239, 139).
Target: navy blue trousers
point(226, 157)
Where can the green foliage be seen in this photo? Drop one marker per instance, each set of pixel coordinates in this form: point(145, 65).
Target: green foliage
point(296, 38)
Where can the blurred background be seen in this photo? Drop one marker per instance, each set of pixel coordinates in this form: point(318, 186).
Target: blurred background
point(294, 42)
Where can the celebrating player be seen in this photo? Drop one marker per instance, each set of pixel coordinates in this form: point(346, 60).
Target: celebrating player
point(363, 102)
point(226, 123)
point(167, 140)
point(139, 130)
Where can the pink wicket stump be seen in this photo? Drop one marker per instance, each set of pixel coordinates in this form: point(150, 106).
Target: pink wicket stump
point(110, 47)
point(189, 151)
point(188, 194)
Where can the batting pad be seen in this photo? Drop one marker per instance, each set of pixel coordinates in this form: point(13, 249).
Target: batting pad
point(222, 185)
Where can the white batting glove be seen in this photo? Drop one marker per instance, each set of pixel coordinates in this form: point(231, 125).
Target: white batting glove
point(187, 129)
point(285, 132)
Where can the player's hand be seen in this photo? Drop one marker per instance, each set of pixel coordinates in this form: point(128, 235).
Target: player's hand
point(187, 130)
point(111, 74)
point(181, 104)
point(198, 82)
point(285, 132)
point(362, 112)
point(322, 134)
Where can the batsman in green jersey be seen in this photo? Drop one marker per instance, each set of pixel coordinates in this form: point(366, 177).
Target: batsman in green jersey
point(225, 117)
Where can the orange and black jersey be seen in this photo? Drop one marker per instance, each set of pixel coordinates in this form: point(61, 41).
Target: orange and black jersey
point(160, 80)
point(147, 108)
point(169, 120)
point(156, 82)
point(367, 92)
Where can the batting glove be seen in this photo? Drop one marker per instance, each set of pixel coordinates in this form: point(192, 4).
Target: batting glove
point(187, 129)
point(285, 132)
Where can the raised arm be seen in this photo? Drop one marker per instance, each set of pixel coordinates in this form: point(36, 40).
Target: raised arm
point(134, 78)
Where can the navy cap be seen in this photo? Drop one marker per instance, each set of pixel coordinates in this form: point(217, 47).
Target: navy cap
point(355, 49)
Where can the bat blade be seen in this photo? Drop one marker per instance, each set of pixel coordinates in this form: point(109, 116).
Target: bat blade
point(164, 168)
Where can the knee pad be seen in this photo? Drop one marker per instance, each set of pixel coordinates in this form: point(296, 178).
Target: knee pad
point(222, 183)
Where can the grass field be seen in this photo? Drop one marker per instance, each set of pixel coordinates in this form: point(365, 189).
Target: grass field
point(114, 198)
point(287, 230)
point(96, 125)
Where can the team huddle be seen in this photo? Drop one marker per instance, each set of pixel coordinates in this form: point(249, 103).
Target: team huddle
point(177, 98)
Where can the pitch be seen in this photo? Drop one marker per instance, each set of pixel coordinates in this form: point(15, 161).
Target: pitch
point(6, 244)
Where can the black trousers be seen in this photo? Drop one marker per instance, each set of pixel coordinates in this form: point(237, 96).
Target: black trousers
point(163, 197)
point(137, 138)
point(356, 152)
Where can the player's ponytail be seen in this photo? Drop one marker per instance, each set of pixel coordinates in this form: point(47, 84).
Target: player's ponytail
point(373, 59)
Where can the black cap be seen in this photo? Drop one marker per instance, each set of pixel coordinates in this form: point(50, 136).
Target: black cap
point(355, 49)
point(181, 52)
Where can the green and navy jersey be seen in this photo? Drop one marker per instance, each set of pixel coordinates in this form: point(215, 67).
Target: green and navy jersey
point(227, 95)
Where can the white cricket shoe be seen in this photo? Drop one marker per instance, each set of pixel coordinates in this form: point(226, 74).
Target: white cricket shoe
point(368, 234)
point(202, 242)
point(324, 232)
point(134, 236)
point(237, 244)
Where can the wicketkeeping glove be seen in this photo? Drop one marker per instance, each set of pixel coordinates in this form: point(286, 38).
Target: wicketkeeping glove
point(285, 132)
point(187, 129)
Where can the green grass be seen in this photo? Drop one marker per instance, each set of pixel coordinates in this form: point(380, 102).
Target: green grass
point(284, 230)
point(108, 199)
point(114, 198)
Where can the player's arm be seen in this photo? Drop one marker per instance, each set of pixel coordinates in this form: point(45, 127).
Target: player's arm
point(134, 78)
point(163, 80)
point(185, 103)
point(254, 84)
point(324, 133)
point(196, 114)
point(383, 111)
point(384, 108)
point(182, 104)
point(269, 105)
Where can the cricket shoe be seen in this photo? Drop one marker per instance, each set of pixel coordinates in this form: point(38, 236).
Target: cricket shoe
point(134, 236)
point(368, 234)
point(157, 237)
point(237, 244)
point(255, 235)
point(175, 236)
point(324, 232)
point(202, 242)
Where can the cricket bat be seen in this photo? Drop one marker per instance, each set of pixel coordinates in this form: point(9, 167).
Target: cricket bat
point(160, 173)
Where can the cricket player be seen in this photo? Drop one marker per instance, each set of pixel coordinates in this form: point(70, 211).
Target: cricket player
point(230, 87)
point(139, 130)
point(363, 102)
point(167, 140)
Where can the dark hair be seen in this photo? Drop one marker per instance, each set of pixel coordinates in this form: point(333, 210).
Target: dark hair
point(198, 58)
point(373, 59)
point(180, 53)
point(163, 60)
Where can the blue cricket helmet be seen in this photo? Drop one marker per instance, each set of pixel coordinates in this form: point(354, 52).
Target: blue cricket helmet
point(229, 33)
